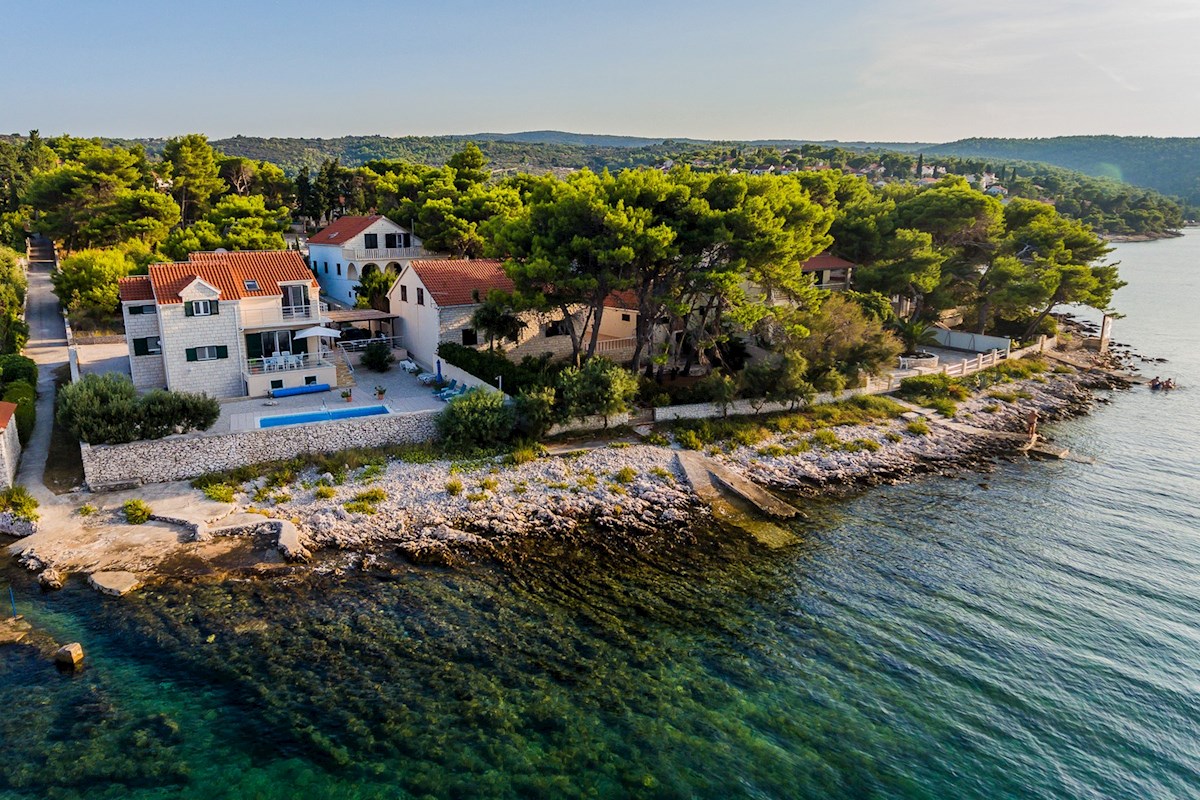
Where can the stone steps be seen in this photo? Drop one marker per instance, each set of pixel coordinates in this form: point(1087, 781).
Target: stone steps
point(345, 378)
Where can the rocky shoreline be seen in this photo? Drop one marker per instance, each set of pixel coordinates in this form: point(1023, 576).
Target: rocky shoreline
point(443, 512)
point(628, 495)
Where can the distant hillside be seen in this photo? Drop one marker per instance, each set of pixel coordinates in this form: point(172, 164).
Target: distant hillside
point(1172, 166)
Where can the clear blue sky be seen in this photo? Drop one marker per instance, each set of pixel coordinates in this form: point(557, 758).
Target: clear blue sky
point(913, 70)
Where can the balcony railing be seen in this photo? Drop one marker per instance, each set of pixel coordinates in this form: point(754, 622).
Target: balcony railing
point(283, 315)
point(382, 253)
point(285, 363)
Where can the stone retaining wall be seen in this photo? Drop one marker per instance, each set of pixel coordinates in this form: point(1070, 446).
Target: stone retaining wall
point(181, 457)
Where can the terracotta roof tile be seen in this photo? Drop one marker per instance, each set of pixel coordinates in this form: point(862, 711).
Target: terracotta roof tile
point(624, 298)
point(455, 282)
point(229, 272)
point(343, 229)
point(136, 287)
point(825, 261)
point(6, 413)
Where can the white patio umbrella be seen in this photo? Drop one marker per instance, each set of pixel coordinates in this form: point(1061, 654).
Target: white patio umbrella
point(319, 331)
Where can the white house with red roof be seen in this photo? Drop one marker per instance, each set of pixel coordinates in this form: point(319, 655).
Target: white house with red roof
point(226, 324)
point(340, 252)
point(434, 300)
point(829, 271)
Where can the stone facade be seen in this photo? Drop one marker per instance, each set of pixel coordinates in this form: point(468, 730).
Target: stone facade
point(221, 377)
point(148, 371)
point(180, 457)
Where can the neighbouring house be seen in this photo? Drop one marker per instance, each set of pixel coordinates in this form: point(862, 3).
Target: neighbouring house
point(829, 271)
point(10, 445)
point(434, 301)
point(340, 252)
point(226, 324)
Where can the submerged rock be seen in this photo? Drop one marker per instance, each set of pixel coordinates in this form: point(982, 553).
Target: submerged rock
point(50, 579)
point(69, 655)
point(114, 583)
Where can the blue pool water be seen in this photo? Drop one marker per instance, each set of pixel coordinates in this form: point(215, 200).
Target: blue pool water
point(321, 416)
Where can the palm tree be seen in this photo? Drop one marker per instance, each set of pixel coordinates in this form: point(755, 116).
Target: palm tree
point(915, 333)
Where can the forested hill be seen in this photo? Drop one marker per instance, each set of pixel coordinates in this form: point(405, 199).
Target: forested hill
point(1172, 166)
point(529, 150)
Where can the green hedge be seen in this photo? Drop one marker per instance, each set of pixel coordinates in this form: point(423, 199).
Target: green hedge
point(25, 396)
point(531, 373)
point(106, 409)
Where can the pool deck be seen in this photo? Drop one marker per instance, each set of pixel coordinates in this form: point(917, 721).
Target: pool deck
point(405, 394)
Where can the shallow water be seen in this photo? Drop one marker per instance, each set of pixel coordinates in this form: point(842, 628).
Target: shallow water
point(1031, 637)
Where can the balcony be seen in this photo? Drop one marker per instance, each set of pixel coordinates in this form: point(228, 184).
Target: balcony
point(362, 254)
point(285, 363)
point(307, 314)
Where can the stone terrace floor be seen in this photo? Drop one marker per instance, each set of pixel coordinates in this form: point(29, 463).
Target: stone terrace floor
point(404, 394)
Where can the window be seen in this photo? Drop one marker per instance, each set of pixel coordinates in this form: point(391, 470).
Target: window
point(371, 241)
point(556, 328)
point(470, 337)
point(326, 267)
point(295, 298)
point(390, 240)
point(420, 296)
point(339, 269)
point(149, 346)
point(406, 240)
point(251, 286)
point(201, 308)
point(624, 318)
point(211, 352)
point(277, 384)
point(403, 293)
point(310, 380)
point(134, 310)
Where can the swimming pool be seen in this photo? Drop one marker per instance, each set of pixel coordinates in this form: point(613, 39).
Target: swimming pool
point(321, 416)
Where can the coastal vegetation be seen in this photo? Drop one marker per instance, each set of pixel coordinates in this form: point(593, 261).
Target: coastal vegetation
point(106, 409)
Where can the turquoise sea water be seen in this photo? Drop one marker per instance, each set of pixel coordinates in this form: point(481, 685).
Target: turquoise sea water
point(1037, 636)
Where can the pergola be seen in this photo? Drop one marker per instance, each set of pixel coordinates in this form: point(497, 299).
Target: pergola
point(353, 316)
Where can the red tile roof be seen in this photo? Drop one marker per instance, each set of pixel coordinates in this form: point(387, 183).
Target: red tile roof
point(343, 229)
point(6, 412)
point(228, 272)
point(825, 261)
point(136, 287)
point(454, 282)
point(624, 298)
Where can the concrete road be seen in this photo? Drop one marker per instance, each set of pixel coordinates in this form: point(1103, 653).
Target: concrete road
point(48, 347)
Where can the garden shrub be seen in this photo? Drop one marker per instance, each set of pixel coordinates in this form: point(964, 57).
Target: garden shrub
point(136, 511)
point(14, 367)
point(25, 396)
point(105, 409)
point(220, 492)
point(534, 410)
point(932, 386)
point(918, 427)
point(377, 356)
point(454, 487)
point(598, 388)
point(324, 492)
point(20, 503)
point(477, 420)
point(533, 372)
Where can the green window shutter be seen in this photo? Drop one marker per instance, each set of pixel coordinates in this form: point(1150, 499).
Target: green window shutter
point(141, 347)
point(191, 354)
point(135, 310)
point(222, 351)
point(188, 309)
point(299, 346)
point(216, 308)
point(254, 345)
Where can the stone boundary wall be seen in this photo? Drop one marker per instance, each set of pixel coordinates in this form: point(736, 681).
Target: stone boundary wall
point(86, 339)
point(1043, 344)
point(589, 424)
point(180, 457)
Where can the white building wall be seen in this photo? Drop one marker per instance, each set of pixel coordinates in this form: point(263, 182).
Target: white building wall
point(10, 454)
point(326, 260)
point(148, 372)
point(219, 378)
